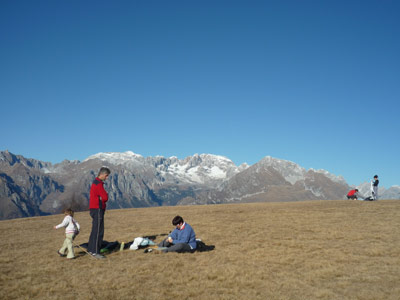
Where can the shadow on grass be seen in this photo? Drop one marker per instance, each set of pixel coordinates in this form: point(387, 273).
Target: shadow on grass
point(109, 247)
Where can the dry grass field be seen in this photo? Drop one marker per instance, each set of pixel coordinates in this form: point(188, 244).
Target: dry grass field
point(302, 250)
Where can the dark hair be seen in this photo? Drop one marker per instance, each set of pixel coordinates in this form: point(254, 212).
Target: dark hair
point(356, 190)
point(104, 170)
point(376, 176)
point(177, 220)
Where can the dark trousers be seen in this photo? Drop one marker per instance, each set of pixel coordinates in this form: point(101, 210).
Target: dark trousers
point(180, 247)
point(96, 236)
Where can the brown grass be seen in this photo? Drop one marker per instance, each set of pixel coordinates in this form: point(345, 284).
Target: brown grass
point(302, 250)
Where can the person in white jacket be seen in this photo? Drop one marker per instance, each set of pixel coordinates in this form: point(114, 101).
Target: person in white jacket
point(374, 187)
point(72, 229)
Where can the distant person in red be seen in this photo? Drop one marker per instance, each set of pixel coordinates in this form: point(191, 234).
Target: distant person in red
point(353, 194)
point(97, 206)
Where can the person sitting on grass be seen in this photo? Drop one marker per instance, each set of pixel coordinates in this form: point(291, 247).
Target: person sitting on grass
point(72, 229)
point(353, 194)
point(181, 239)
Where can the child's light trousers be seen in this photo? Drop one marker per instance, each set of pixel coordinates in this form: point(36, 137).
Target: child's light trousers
point(68, 246)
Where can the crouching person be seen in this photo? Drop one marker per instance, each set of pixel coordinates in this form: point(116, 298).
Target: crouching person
point(181, 239)
point(353, 194)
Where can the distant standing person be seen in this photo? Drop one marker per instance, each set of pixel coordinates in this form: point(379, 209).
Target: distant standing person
point(353, 194)
point(97, 206)
point(374, 187)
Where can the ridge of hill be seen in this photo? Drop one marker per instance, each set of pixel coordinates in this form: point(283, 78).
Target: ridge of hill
point(30, 187)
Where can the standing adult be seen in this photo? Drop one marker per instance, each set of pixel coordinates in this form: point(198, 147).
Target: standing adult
point(374, 187)
point(97, 206)
point(181, 239)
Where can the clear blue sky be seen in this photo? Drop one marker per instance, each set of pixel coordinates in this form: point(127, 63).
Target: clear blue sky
point(313, 82)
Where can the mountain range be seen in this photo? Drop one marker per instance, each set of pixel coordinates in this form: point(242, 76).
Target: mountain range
point(29, 187)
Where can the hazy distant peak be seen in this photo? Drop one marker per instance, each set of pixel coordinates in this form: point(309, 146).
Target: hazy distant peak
point(331, 176)
point(269, 160)
point(243, 166)
point(208, 157)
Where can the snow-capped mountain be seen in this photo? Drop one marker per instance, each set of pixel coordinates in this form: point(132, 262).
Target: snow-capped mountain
point(274, 179)
point(196, 169)
point(30, 187)
point(117, 158)
point(290, 171)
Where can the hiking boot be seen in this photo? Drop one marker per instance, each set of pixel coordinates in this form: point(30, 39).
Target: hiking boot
point(98, 256)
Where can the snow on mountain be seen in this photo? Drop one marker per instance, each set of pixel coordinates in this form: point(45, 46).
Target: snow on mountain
point(116, 158)
point(243, 167)
point(333, 177)
point(291, 171)
point(204, 168)
point(311, 180)
point(196, 169)
point(30, 187)
point(201, 169)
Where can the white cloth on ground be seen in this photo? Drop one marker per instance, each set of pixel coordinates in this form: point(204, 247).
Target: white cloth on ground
point(139, 241)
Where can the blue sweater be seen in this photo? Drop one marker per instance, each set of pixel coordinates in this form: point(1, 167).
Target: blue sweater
point(186, 235)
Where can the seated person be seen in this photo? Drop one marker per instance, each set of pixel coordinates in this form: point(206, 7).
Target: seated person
point(181, 239)
point(353, 194)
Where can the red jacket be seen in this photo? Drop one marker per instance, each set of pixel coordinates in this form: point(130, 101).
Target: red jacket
point(98, 195)
point(351, 193)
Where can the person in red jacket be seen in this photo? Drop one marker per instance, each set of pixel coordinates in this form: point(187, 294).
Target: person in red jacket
point(97, 207)
point(353, 194)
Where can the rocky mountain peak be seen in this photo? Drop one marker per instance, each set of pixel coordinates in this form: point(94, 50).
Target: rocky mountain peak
point(291, 171)
point(31, 187)
point(8, 157)
point(116, 158)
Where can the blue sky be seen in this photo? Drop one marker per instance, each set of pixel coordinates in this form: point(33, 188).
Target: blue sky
point(313, 82)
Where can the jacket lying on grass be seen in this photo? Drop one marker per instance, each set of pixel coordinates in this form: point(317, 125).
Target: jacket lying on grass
point(184, 235)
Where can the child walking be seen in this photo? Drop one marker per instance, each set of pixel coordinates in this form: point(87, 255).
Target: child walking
point(72, 229)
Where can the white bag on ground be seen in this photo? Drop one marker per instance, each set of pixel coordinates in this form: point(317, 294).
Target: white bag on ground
point(139, 241)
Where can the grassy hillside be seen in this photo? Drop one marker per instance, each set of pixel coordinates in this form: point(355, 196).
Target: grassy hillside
point(301, 250)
